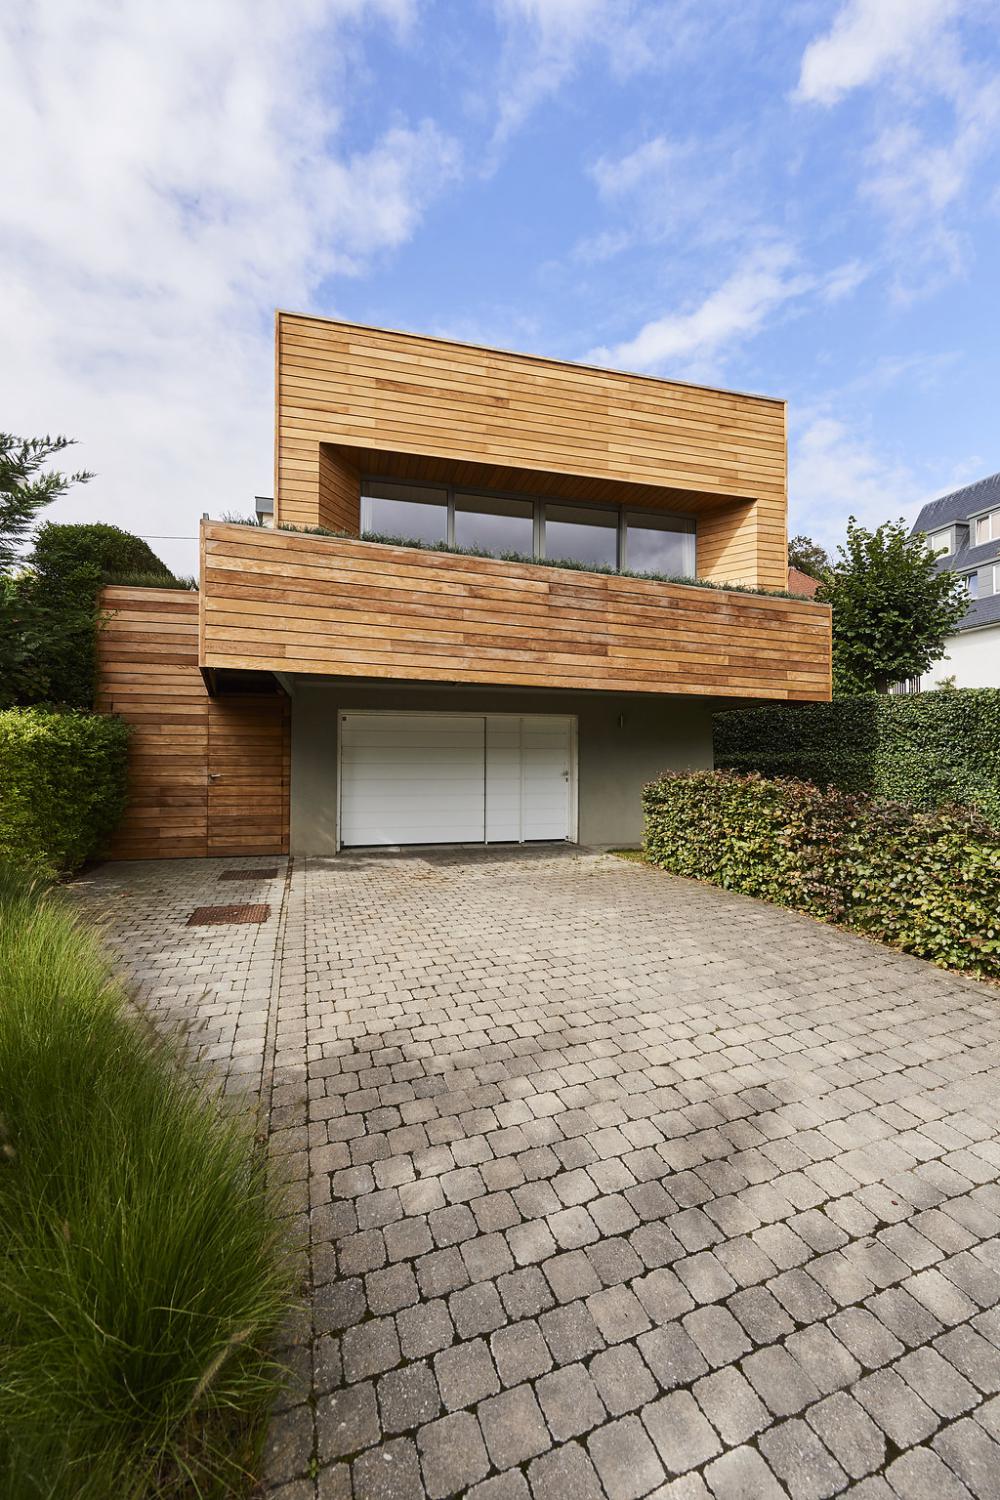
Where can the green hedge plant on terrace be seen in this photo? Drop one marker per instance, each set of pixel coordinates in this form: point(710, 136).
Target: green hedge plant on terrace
point(926, 749)
point(144, 1270)
point(925, 881)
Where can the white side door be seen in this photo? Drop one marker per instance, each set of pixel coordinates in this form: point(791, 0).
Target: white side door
point(546, 776)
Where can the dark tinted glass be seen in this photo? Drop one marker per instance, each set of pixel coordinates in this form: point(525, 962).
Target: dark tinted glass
point(411, 511)
point(575, 533)
point(494, 524)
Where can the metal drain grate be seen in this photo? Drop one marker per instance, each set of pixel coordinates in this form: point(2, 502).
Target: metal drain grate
point(217, 916)
point(269, 874)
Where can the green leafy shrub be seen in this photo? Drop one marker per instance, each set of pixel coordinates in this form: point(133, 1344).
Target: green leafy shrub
point(143, 1265)
point(153, 581)
point(62, 785)
point(926, 881)
point(927, 749)
point(61, 549)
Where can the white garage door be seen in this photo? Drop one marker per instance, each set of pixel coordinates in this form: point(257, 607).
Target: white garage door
point(455, 778)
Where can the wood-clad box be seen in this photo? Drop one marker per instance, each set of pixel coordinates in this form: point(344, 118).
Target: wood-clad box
point(283, 602)
point(352, 400)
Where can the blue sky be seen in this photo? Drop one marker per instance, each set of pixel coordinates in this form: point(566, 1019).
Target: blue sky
point(799, 199)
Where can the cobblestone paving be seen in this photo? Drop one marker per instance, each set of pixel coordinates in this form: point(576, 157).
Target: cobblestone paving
point(615, 1185)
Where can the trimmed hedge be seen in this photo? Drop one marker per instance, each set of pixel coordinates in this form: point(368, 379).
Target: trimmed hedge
point(928, 749)
point(62, 786)
point(926, 882)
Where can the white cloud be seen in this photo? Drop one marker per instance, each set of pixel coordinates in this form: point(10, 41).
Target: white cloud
point(867, 38)
point(736, 310)
point(170, 174)
point(936, 122)
point(836, 472)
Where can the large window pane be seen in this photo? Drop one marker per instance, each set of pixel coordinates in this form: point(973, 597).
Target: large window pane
point(659, 544)
point(574, 533)
point(494, 524)
point(415, 512)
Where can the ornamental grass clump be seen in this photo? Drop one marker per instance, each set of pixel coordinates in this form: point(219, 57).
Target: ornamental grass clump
point(144, 1269)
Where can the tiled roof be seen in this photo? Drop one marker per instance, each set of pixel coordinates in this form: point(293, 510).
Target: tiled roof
point(959, 507)
point(802, 583)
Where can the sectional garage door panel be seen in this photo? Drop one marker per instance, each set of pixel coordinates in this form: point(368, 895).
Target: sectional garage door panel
point(440, 778)
point(411, 779)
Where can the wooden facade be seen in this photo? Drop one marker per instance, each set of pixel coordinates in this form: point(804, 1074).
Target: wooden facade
point(289, 603)
point(353, 400)
point(207, 776)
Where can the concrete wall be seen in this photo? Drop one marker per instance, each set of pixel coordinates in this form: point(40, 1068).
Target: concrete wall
point(972, 657)
point(623, 743)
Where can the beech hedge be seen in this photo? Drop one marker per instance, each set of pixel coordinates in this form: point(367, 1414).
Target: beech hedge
point(927, 749)
point(926, 881)
point(62, 786)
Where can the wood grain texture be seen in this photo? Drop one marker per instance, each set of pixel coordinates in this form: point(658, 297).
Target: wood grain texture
point(393, 397)
point(206, 775)
point(292, 603)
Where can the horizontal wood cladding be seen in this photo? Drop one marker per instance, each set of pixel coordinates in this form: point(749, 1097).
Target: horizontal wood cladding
point(292, 603)
point(374, 391)
point(206, 775)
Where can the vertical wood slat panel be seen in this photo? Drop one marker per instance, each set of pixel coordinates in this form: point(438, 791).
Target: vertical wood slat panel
point(148, 673)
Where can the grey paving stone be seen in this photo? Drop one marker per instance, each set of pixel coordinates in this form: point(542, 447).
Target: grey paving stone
point(672, 1356)
point(513, 1427)
point(796, 1455)
point(520, 1352)
point(921, 1475)
point(465, 1374)
point(570, 1402)
point(849, 1433)
point(780, 1381)
point(408, 1397)
point(717, 1334)
point(570, 1332)
point(565, 1473)
point(625, 1459)
point(973, 1356)
point(347, 1421)
point(937, 1382)
point(452, 1454)
point(742, 1474)
point(511, 1485)
point(683, 1437)
point(618, 1313)
point(897, 1409)
point(389, 1472)
point(972, 1455)
point(622, 1378)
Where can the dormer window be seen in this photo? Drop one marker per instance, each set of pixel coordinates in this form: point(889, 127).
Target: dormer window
point(988, 528)
point(940, 542)
point(971, 581)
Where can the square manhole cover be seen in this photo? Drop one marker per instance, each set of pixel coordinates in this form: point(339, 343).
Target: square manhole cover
point(265, 874)
point(219, 916)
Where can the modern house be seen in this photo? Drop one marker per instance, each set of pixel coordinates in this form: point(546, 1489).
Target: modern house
point(502, 671)
point(964, 529)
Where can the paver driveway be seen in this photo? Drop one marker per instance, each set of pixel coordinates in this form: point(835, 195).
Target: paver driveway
point(616, 1185)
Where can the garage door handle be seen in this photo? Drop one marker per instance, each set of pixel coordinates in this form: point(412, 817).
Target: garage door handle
point(214, 775)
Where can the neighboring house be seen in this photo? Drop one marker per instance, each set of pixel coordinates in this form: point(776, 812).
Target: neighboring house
point(964, 528)
point(328, 691)
point(802, 583)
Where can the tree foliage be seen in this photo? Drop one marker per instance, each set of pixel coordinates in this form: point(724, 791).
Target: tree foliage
point(808, 556)
point(892, 608)
point(48, 599)
point(25, 490)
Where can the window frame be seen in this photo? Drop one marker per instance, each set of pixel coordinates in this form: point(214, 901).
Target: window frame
point(945, 531)
point(992, 517)
point(538, 503)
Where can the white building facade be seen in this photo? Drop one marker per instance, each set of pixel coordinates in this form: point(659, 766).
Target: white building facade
point(964, 528)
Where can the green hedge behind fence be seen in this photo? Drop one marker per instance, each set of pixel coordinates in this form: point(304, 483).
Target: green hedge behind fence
point(927, 749)
point(927, 882)
point(62, 786)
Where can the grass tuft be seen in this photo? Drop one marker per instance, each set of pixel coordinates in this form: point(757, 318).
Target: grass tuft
point(144, 1269)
